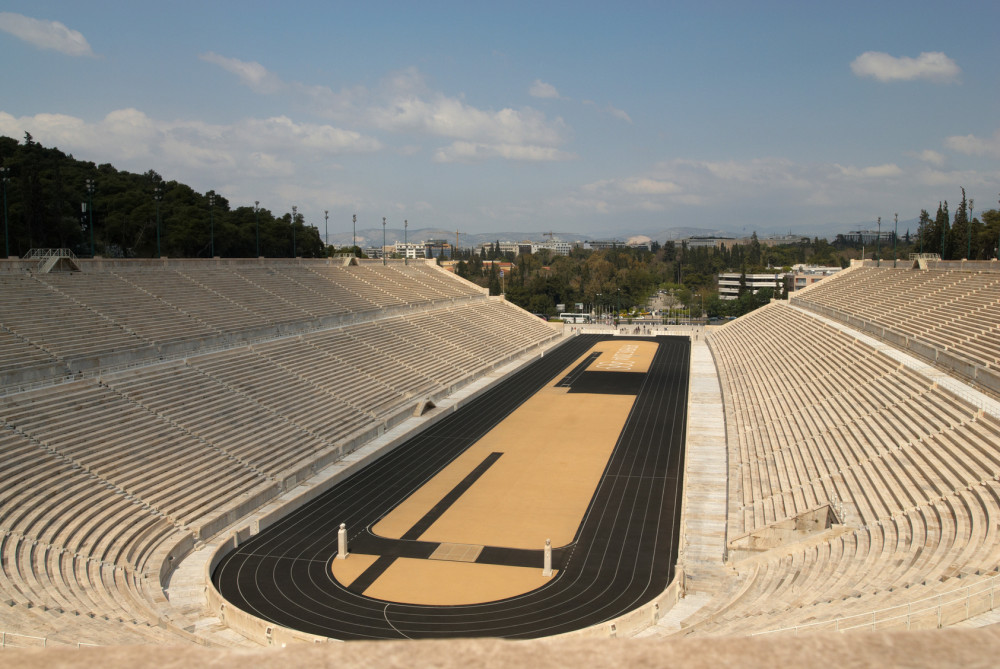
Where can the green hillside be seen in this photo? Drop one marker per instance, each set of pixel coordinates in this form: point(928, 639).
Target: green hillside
point(46, 192)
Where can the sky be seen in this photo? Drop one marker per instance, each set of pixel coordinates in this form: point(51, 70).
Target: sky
point(594, 117)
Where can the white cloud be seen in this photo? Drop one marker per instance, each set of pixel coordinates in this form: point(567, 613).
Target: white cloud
point(254, 75)
point(540, 89)
point(251, 147)
point(636, 186)
point(404, 104)
point(610, 109)
point(929, 156)
point(45, 34)
point(450, 117)
point(469, 152)
point(620, 114)
point(873, 172)
point(931, 65)
point(971, 145)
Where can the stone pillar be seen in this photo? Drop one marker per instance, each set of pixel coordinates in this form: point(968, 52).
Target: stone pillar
point(342, 542)
point(547, 569)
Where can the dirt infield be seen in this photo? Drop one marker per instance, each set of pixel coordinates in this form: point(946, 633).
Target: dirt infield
point(539, 470)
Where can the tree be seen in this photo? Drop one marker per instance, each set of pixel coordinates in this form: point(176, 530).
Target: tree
point(941, 226)
point(924, 231)
point(958, 235)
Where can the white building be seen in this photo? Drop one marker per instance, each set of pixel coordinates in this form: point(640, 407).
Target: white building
point(517, 248)
point(556, 247)
point(729, 283)
point(806, 275)
point(409, 250)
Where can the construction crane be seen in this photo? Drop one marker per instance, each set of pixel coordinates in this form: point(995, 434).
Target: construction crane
point(550, 235)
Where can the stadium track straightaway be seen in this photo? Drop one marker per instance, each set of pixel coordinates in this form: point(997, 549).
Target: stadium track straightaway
point(623, 554)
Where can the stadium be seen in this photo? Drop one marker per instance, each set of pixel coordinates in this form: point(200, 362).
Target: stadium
point(833, 461)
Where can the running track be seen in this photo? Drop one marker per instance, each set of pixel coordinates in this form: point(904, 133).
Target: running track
point(622, 557)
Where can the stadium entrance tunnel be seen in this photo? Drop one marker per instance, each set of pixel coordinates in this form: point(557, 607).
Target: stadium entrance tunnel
point(447, 533)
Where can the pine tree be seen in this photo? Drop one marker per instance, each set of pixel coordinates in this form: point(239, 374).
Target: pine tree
point(941, 230)
point(957, 235)
point(924, 232)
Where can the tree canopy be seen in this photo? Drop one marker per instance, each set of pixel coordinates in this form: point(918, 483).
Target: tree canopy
point(49, 206)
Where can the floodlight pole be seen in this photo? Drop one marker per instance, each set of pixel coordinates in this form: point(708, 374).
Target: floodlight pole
point(354, 233)
point(406, 244)
point(968, 225)
point(211, 214)
point(4, 171)
point(943, 226)
point(895, 231)
point(383, 241)
point(878, 244)
point(90, 211)
point(158, 195)
point(294, 212)
point(326, 230)
point(256, 222)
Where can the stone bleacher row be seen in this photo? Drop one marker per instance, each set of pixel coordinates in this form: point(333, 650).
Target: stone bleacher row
point(99, 473)
point(815, 417)
point(48, 321)
point(951, 310)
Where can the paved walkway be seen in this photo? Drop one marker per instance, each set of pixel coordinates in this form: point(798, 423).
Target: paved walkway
point(703, 529)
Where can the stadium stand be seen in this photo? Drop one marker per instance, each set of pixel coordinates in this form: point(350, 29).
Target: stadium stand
point(862, 494)
point(252, 376)
point(947, 316)
point(905, 474)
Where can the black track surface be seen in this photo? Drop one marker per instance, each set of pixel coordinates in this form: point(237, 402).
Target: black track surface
point(623, 554)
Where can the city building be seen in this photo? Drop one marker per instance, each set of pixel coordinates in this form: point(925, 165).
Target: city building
point(409, 250)
point(803, 276)
point(729, 283)
point(711, 242)
point(602, 244)
point(867, 236)
point(437, 248)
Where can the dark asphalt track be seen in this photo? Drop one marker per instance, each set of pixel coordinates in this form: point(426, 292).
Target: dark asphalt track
point(622, 557)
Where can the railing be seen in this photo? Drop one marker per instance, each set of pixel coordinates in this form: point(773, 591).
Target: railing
point(925, 256)
point(937, 611)
point(42, 254)
point(15, 640)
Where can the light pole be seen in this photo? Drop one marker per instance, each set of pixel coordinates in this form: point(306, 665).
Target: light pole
point(4, 171)
point(895, 232)
point(943, 226)
point(158, 195)
point(406, 244)
point(90, 211)
point(878, 244)
point(256, 223)
point(294, 213)
point(211, 225)
point(326, 231)
point(968, 250)
point(383, 241)
point(354, 233)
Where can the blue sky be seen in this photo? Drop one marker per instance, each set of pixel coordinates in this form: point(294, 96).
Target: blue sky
point(598, 118)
